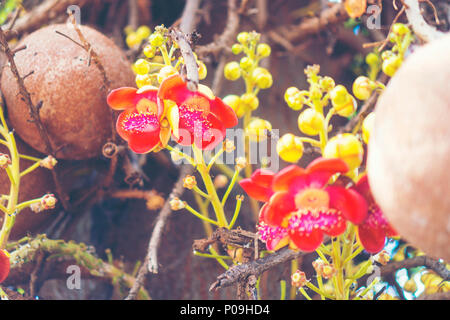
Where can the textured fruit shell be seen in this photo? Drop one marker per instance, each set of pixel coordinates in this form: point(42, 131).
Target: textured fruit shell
point(74, 108)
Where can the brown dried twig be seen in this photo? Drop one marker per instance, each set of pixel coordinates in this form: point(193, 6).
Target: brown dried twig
point(241, 272)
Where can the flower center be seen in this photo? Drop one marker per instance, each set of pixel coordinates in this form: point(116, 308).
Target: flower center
point(139, 122)
point(197, 103)
point(144, 105)
point(312, 199)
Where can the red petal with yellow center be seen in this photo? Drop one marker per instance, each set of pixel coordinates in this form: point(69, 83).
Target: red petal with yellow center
point(280, 205)
point(4, 266)
point(349, 202)
point(122, 98)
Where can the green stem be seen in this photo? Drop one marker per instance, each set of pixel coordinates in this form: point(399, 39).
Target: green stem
point(236, 211)
point(230, 187)
point(210, 255)
point(210, 189)
point(30, 168)
point(200, 192)
point(320, 292)
point(199, 215)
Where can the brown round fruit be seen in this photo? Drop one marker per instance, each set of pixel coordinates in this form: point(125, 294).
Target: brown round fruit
point(409, 150)
point(32, 186)
point(74, 109)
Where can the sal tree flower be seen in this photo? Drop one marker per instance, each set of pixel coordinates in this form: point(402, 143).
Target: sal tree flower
point(140, 123)
point(301, 206)
point(372, 232)
point(195, 116)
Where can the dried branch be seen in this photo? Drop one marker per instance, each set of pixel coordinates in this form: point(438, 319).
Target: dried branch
point(243, 271)
point(189, 59)
point(420, 27)
point(227, 35)
point(151, 260)
point(40, 15)
point(333, 15)
point(435, 296)
point(188, 16)
point(425, 261)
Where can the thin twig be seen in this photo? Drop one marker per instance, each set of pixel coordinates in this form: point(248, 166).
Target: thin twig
point(151, 260)
point(420, 27)
point(189, 59)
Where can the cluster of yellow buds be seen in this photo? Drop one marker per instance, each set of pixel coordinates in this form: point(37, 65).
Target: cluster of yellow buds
point(153, 68)
point(134, 38)
point(255, 76)
point(392, 59)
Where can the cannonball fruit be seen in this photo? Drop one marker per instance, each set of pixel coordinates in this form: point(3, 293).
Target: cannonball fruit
point(409, 150)
point(33, 185)
point(72, 89)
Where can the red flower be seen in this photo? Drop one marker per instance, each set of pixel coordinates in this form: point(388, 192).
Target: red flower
point(302, 207)
point(4, 265)
point(259, 185)
point(140, 122)
point(373, 230)
point(199, 118)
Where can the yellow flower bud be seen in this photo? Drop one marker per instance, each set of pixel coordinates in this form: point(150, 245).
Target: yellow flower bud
point(257, 129)
point(234, 102)
point(202, 70)
point(362, 88)
point(232, 71)
point(243, 37)
point(290, 148)
point(143, 32)
point(141, 66)
point(372, 59)
point(166, 72)
point(391, 65)
point(250, 101)
point(294, 98)
point(263, 50)
point(246, 63)
point(240, 163)
point(326, 83)
point(347, 147)
point(410, 286)
point(236, 48)
point(400, 29)
point(367, 126)
point(177, 204)
point(5, 160)
point(311, 122)
point(149, 51)
point(228, 145)
point(156, 39)
point(346, 109)
point(262, 77)
point(143, 80)
point(298, 279)
point(132, 40)
point(339, 95)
